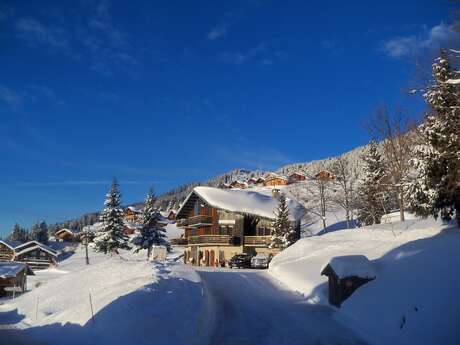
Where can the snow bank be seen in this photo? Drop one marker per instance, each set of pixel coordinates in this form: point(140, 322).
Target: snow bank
point(134, 302)
point(247, 201)
point(413, 298)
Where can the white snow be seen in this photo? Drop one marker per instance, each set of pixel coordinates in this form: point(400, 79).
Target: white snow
point(134, 302)
point(352, 266)
point(413, 299)
point(172, 231)
point(247, 201)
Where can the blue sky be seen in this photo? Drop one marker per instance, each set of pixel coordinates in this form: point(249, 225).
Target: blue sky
point(165, 92)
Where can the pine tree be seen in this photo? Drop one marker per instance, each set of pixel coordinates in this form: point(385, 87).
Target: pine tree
point(283, 234)
point(111, 237)
point(18, 234)
point(39, 233)
point(370, 190)
point(151, 232)
point(435, 188)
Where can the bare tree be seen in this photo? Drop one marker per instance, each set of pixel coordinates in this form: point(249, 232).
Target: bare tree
point(393, 132)
point(346, 177)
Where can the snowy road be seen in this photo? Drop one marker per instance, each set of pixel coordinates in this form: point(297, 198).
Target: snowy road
point(248, 307)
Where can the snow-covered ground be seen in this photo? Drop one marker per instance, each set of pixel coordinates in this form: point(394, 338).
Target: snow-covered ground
point(132, 301)
point(412, 300)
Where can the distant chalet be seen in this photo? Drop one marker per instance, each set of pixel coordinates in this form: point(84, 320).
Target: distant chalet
point(220, 223)
point(33, 253)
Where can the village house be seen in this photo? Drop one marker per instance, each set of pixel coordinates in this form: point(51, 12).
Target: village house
point(252, 181)
point(260, 182)
point(239, 184)
point(67, 235)
point(131, 214)
point(325, 175)
point(7, 249)
point(36, 255)
point(276, 180)
point(13, 277)
point(297, 177)
point(220, 223)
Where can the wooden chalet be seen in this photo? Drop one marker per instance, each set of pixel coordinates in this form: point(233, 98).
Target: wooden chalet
point(276, 180)
point(7, 249)
point(297, 177)
point(346, 274)
point(36, 255)
point(132, 214)
point(220, 223)
point(239, 184)
point(325, 175)
point(67, 235)
point(13, 277)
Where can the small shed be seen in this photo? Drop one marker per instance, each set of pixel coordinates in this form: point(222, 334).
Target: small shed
point(346, 274)
point(13, 276)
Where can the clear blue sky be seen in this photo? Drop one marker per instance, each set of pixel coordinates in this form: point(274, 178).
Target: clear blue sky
point(165, 92)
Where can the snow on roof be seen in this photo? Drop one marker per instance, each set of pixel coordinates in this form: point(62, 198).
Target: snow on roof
point(10, 269)
point(134, 209)
point(34, 244)
point(11, 244)
point(42, 247)
point(71, 231)
point(244, 201)
point(351, 266)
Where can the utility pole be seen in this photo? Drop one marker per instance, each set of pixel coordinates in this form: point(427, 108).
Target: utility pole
point(86, 233)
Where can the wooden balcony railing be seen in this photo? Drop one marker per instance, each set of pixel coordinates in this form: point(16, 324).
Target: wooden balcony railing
point(210, 239)
point(259, 241)
point(194, 221)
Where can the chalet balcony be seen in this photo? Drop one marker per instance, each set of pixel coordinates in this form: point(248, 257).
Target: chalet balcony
point(194, 221)
point(211, 239)
point(257, 241)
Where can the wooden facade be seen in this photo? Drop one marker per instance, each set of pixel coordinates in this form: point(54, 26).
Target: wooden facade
point(7, 250)
point(67, 235)
point(325, 175)
point(132, 214)
point(36, 255)
point(13, 276)
point(215, 235)
point(297, 177)
point(238, 184)
point(276, 181)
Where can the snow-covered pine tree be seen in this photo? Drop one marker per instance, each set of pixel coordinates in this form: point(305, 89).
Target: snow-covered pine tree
point(283, 234)
point(435, 188)
point(111, 237)
point(151, 232)
point(18, 234)
point(370, 191)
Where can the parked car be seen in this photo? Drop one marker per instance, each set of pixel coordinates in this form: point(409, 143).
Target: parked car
point(240, 261)
point(261, 260)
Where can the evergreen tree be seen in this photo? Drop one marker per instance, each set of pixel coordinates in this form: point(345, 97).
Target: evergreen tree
point(18, 234)
point(151, 232)
point(39, 233)
point(370, 190)
point(435, 188)
point(111, 237)
point(283, 234)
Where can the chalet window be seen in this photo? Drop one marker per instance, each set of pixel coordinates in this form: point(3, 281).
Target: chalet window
point(197, 208)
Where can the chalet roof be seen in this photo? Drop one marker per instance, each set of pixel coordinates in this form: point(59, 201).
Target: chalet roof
point(11, 244)
point(350, 266)
point(11, 269)
point(42, 247)
point(276, 176)
point(70, 231)
point(32, 244)
point(240, 201)
point(297, 173)
point(133, 209)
